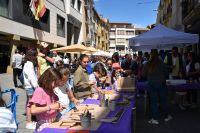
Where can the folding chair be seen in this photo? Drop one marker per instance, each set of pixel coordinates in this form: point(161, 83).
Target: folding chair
point(12, 103)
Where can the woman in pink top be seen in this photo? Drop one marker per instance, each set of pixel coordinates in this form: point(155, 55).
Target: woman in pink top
point(44, 102)
point(115, 60)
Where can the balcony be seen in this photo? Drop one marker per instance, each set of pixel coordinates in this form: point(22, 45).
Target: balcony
point(75, 13)
point(191, 11)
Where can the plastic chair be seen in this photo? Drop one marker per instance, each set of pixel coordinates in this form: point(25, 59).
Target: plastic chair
point(12, 104)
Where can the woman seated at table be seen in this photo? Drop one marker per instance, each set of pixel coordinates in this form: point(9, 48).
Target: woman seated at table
point(82, 85)
point(99, 76)
point(192, 74)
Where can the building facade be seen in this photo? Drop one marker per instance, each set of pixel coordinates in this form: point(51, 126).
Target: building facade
point(191, 19)
point(65, 22)
point(89, 23)
point(101, 31)
point(60, 25)
point(120, 33)
point(181, 15)
point(170, 14)
point(75, 28)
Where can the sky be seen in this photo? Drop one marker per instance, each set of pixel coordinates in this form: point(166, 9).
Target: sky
point(138, 12)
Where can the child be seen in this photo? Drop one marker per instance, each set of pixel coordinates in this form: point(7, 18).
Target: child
point(44, 103)
point(99, 71)
point(7, 121)
point(64, 92)
point(30, 82)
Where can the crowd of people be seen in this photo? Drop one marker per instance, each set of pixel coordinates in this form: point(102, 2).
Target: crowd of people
point(50, 94)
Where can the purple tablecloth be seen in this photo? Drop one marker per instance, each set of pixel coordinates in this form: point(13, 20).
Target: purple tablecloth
point(123, 126)
point(178, 87)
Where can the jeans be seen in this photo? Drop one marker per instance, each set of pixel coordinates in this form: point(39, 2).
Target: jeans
point(16, 73)
point(158, 90)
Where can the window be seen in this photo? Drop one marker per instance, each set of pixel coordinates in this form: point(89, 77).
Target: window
point(120, 48)
point(72, 3)
point(79, 5)
point(27, 11)
point(121, 40)
point(112, 41)
point(127, 41)
point(112, 33)
point(60, 26)
point(4, 8)
point(129, 32)
point(45, 17)
point(120, 32)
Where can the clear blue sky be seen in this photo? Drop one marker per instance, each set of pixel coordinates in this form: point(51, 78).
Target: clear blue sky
point(139, 12)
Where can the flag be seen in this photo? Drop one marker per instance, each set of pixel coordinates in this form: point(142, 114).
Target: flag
point(41, 9)
point(32, 7)
point(38, 8)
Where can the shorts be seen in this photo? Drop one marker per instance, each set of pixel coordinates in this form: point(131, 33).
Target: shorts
point(29, 91)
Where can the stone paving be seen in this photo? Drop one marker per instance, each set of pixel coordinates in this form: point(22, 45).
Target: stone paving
point(7, 82)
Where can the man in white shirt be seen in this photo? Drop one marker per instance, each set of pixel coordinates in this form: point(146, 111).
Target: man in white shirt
point(56, 58)
point(17, 67)
point(66, 62)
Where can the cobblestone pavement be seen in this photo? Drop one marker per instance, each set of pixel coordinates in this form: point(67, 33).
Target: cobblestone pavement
point(7, 82)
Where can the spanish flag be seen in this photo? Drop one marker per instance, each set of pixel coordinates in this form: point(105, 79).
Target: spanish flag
point(38, 8)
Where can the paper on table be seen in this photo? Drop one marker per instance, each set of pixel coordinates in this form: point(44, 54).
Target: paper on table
point(98, 114)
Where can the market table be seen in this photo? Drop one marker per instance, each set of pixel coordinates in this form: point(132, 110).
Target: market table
point(125, 125)
point(175, 87)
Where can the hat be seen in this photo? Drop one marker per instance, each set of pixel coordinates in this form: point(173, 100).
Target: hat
point(44, 44)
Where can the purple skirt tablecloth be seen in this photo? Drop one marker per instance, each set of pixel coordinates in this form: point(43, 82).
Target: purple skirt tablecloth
point(177, 87)
point(123, 126)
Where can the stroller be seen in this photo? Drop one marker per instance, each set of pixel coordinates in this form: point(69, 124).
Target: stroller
point(11, 104)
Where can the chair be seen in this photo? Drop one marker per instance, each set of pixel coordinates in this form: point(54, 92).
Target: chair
point(12, 103)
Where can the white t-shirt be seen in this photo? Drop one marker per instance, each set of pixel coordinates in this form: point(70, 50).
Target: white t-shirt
point(61, 92)
point(196, 66)
point(92, 78)
point(66, 61)
point(7, 121)
point(17, 60)
point(30, 76)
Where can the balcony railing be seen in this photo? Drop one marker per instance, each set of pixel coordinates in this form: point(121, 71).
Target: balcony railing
point(188, 6)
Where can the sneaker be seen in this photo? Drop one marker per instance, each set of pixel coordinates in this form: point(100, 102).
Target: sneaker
point(31, 125)
point(181, 107)
point(168, 118)
point(153, 121)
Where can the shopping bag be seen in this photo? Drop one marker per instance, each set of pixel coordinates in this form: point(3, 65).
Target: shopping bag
point(126, 84)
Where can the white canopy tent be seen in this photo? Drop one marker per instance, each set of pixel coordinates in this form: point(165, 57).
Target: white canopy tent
point(161, 37)
point(103, 53)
